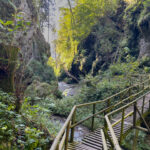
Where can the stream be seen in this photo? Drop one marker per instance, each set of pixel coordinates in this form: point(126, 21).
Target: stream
point(70, 90)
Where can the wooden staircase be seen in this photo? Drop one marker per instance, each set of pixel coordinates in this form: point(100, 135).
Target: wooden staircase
point(120, 118)
point(93, 141)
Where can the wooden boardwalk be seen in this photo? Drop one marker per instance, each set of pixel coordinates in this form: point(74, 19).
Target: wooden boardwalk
point(93, 141)
point(123, 111)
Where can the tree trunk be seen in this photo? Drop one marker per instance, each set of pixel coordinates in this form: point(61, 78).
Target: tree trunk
point(70, 75)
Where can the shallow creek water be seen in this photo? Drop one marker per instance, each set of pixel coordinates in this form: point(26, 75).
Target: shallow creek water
point(70, 90)
point(80, 131)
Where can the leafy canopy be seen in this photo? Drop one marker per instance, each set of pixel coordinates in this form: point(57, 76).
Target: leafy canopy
point(75, 25)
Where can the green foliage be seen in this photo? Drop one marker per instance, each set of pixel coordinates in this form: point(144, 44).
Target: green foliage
point(42, 72)
point(145, 14)
point(17, 131)
point(145, 62)
point(124, 68)
point(63, 107)
point(18, 23)
point(7, 114)
point(142, 142)
point(97, 88)
point(96, 51)
point(75, 25)
point(39, 112)
point(42, 90)
point(93, 89)
point(10, 26)
point(33, 138)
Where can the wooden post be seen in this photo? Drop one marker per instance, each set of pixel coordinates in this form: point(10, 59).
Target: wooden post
point(108, 102)
point(105, 123)
point(73, 129)
point(134, 115)
point(67, 136)
point(92, 126)
point(122, 126)
point(135, 139)
point(121, 97)
point(130, 92)
point(57, 147)
point(149, 81)
point(143, 104)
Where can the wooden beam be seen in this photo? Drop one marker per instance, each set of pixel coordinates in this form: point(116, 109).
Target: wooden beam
point(104, 140)
point(142, 119)
point(142, 129)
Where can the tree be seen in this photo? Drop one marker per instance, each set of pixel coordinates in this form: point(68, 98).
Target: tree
point(75, 25)
point(9, 51)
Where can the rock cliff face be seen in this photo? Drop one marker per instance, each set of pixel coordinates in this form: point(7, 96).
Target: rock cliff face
point(50, 32)
point(31, 43)
point(144, 25)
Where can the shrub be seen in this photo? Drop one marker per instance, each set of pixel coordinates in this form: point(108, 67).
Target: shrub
point(41, 71)
point(142, 143)
point(19, 131)
point(124, 68)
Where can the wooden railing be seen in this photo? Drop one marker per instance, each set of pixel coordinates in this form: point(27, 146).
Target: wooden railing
point(66, 133)
point(105, 147)
point(109, 126)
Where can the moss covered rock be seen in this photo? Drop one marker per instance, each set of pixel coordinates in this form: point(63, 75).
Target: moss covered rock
point(8, 58)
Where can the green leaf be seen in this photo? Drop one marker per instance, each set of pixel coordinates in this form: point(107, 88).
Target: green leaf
point(1, 21)
point(28, 23)
point(10, 30)
point(4, 128)
point(8, 23)
point(31, 141)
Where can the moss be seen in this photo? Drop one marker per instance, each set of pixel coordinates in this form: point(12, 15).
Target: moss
point(8, 57)
point(131, 31)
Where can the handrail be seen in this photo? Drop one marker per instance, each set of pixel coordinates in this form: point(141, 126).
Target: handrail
point(126, 106)
point(114, 138)
point(70, 123)
point(110, 126)
point(104, 140)
point(108, 108)
point(100, 101)
point(56, 141)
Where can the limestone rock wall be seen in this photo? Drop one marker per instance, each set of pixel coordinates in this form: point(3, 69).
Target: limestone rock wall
point(30, 42)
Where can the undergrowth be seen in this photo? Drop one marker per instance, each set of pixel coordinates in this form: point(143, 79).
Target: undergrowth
point(25, 131)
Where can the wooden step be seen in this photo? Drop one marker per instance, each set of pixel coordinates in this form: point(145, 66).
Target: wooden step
point(79, 146)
